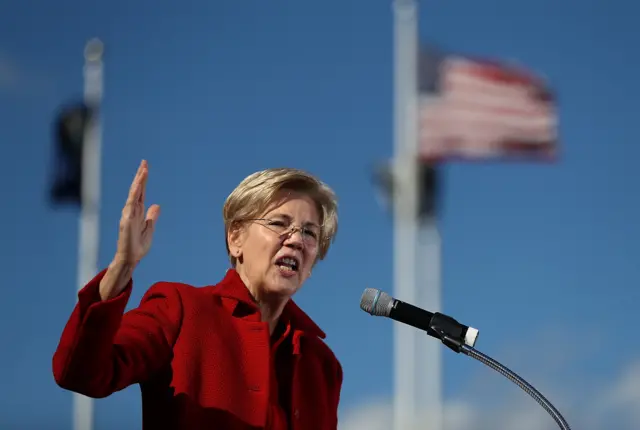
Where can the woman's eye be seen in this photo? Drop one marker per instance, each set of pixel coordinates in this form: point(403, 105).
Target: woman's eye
point(311, 233)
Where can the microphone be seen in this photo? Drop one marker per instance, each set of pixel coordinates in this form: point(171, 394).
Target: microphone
point(443, 327)
point(456, 336)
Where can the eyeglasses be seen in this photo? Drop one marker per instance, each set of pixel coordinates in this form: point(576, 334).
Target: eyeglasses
point(310, 233)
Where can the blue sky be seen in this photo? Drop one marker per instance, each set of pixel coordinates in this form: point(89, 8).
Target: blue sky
point(542, 258)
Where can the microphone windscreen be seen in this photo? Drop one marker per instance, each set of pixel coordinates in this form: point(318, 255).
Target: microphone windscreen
point(376, 302)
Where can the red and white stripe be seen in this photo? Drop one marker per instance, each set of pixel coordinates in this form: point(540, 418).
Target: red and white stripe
point(486, 110)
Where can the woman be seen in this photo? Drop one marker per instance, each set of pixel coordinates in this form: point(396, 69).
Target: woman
point(237, 355)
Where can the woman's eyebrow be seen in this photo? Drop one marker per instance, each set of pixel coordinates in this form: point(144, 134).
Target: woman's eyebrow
point(289, 218)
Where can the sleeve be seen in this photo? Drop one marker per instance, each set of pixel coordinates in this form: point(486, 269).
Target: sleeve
point(103, 350)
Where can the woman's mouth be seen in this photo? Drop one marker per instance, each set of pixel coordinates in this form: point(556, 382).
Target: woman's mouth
point(288, 266)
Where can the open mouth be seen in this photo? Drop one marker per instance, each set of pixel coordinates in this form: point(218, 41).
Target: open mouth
point(288, 265)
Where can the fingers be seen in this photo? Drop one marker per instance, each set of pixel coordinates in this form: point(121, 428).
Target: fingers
point(142, 194)
point(136, 192)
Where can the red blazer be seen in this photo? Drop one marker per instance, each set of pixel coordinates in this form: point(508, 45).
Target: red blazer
point(200, 363)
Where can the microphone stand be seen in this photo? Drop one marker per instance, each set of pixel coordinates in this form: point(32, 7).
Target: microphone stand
point(440, 325)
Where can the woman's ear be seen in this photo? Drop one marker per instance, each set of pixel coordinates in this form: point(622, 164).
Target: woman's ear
point(235, 238)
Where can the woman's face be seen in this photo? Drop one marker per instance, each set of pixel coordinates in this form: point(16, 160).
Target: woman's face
point(277, 251)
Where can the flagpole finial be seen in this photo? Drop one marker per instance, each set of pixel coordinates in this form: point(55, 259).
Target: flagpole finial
point(93, 50)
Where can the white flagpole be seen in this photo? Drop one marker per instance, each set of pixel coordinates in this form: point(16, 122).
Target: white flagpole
point(417, 360)
point(429, 352)
point(405, 207)
point(89, 239)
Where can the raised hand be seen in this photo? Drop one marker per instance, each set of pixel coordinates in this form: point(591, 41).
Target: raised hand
point(134, 238)
point(136, 228)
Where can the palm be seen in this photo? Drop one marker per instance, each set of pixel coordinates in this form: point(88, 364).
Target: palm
point(136, 227)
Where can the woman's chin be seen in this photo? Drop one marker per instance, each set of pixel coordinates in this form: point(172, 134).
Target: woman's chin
point(283, 285)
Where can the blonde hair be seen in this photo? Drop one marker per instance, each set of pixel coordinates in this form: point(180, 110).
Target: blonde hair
point(258, 191)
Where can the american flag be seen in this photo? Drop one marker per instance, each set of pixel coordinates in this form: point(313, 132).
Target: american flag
point(480, 109)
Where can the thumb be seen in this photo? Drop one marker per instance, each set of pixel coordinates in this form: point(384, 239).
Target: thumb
point(152, 217)
point(153, 213)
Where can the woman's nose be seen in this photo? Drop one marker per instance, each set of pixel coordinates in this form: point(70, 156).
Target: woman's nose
point(294, 238)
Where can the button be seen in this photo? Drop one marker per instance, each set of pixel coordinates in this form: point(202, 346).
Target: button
point(296, 414)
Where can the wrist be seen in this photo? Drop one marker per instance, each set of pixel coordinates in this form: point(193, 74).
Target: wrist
point(120, 268)
point(115, 279)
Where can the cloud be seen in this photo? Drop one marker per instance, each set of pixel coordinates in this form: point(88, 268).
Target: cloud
point(489, 401)
point(377, 415)
point(622, 398)
point(616, 405)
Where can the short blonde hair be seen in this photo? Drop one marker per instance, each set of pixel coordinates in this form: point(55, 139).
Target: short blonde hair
point(256, 192)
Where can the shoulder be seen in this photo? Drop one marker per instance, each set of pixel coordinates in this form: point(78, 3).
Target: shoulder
point(321, 348)
point(175, 288)
point(312, 342)
point(175, 293)
point(323, 352)
point(174, 302)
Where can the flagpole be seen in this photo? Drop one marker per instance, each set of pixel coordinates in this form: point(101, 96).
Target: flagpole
point(405, 207)
point(429, 353)
point(89, 228)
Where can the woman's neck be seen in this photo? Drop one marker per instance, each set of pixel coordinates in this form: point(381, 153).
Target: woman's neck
point(270, 307)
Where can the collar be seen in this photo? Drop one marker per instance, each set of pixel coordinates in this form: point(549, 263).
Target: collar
point(232, 287)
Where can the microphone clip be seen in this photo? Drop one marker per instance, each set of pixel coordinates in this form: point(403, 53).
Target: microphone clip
point(448, 330)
